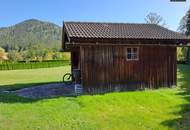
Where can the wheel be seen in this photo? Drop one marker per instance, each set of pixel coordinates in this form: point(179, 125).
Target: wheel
point(67, 77)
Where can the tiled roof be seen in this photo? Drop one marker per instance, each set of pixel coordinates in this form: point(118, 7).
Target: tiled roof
point(87, 30)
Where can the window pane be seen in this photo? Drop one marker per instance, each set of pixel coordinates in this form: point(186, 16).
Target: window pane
point(132, 53)
point(128, 50)
point(134, 50)
point(129, 56)
point(135, 56)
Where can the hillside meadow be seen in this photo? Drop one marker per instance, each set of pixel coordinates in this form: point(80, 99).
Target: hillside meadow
point(161, 109)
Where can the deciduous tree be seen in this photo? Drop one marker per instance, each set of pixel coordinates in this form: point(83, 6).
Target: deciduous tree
point(154, 18)
point(2, 54)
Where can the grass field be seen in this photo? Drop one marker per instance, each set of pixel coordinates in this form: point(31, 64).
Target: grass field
point(14, 79)
point(160, 109)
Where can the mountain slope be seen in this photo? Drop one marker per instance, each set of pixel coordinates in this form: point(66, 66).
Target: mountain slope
point(31, 31)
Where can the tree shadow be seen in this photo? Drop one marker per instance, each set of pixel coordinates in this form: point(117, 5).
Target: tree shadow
point(13, 98)
point(182, 123)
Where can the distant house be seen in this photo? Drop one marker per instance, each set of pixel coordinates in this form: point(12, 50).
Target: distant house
point(122, 56)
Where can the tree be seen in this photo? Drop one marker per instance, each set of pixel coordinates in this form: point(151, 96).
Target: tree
point(154, 18)
point(15, 56)
point(2, 54)
point(184, 27)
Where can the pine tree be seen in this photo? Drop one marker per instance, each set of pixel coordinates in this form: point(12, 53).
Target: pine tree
point(188, 23)
point(187, 32)
point(184, 28)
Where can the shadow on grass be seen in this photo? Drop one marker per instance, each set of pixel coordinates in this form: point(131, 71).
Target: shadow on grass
point(8, 97)
point(12, 98)
point(13, 87)
point(182, 123)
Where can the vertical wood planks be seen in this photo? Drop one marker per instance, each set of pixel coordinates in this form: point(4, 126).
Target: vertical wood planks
point(104, 67)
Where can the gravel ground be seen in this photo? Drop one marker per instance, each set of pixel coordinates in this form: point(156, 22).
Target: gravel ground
point(47, 90)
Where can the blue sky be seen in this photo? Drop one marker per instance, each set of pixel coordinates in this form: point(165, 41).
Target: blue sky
point(132, 11)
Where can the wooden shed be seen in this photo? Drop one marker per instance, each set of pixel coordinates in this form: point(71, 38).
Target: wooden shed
point(122, 56)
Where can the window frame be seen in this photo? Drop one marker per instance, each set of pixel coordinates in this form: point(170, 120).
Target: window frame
point(132, 54)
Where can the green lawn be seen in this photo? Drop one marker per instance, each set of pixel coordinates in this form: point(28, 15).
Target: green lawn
point(142, 110)
point(14, 79)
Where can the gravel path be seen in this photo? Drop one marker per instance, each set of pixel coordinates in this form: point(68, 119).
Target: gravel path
point(47, 90)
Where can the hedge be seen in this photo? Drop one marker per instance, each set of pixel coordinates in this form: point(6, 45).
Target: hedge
point(32, 64)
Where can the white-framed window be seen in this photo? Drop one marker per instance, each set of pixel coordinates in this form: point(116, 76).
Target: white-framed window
point(132, 53)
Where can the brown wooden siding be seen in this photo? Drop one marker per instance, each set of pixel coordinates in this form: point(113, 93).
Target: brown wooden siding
point(105, 67)
point(75, 59)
